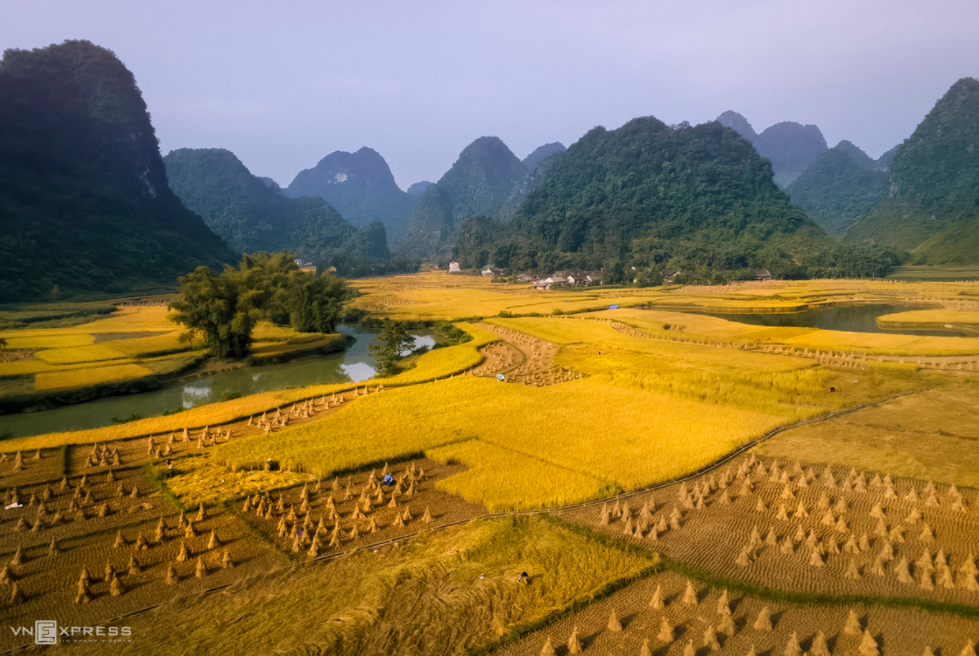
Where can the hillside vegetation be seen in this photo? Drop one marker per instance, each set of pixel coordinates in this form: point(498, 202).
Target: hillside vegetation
point(252, 217)
point(841, 185)
point(649, 195)
point(84, 200)
point(933, 208)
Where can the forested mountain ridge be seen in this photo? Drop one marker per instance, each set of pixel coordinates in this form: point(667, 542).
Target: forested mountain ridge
point(650, 195)
point(841, 185)
point(479, 183)
point(932, 210)
point(253, 216)
point(84, 200)
point(791, 147)
point(361, 187)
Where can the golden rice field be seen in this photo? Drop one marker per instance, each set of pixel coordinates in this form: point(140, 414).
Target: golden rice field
point(623, 437)
point(438, 295)
point(928, 436)
point(498, 477)
point(132, 343)
point(438, 363)
point(697, 327)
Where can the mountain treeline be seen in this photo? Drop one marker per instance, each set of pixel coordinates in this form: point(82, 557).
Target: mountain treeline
point(651, 195)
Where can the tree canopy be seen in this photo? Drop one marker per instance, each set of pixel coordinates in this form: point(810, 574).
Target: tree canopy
point(224, 307)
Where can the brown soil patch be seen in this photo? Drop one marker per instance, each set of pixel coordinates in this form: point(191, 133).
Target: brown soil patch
point(111, 337)
point(812, 551)
point(416, 501)
point(895, 631)
point(523, 359)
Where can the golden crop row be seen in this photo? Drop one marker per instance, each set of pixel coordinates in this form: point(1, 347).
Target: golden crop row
point(48, 381)
point(503, 480)
point(626, 437)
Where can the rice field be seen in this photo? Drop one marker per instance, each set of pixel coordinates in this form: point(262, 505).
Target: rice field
point(380, 602)
point(131, 343)
point(439, 363)
point(628, 438)
point(88, 377)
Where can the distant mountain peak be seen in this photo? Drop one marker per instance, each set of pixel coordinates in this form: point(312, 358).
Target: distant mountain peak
point(360, 185)
point(738, 123)
point(790, 146)
point(541, 153)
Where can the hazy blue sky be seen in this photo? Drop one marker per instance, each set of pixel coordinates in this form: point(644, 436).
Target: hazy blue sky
point(284, 83)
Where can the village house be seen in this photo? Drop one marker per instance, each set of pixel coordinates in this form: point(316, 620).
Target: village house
point(488, 272)
point(454, 267)
point(526, 277)
point(763, 274)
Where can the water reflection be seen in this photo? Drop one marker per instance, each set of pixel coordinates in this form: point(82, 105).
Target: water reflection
point(851, 318)
point(354, 364)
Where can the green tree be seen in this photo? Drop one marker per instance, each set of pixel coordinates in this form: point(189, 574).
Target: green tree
point(217, 307)
point(3, 343)
point(225, 307)
point(389, 345)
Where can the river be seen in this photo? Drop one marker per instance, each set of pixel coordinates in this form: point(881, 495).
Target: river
point(354, 364)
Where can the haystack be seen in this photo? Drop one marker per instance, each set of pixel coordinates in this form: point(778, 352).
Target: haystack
point(614, 624)
point(547, 649)
point(710, 639)
point(969, 649)
point(574, 645)
point(819, 646)
point(764, 620)
point(868, 646)
point(666, 632)
point(183, 554)
point(172, 577)
point(793, 648)
point(657, 600)
point(115, 587)
point(53, 548)
point(83, 595)
point(852, 626)
point(18, 557)
point(645, 651)
point(690, 595)
point(201, 570)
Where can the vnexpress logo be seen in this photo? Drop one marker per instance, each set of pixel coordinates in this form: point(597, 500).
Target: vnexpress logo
point(45, 632)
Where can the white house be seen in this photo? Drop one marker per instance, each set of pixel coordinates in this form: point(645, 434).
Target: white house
point(454, 267)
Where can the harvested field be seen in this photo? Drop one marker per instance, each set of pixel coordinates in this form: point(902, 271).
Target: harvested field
point(358, 510)
point(380, 602)
point(894, 631)
point(813, 530)
point(930, 435)
point(523, 359)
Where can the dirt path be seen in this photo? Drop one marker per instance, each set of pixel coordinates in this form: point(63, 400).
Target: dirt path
point(523, 359)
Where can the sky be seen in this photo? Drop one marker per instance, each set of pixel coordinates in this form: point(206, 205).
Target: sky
point(282, 84)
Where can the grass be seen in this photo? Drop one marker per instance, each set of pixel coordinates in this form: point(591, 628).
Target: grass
point(929, 436)
point(504, 480)
point(382, 602)
point(929, 318)
point(89, 377)
point(79, 354)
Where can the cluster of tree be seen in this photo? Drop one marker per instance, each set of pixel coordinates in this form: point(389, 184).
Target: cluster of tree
point(650, 196)
point(390, 346)
point(841, 185)
point(932, 209)
point(224, 307)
